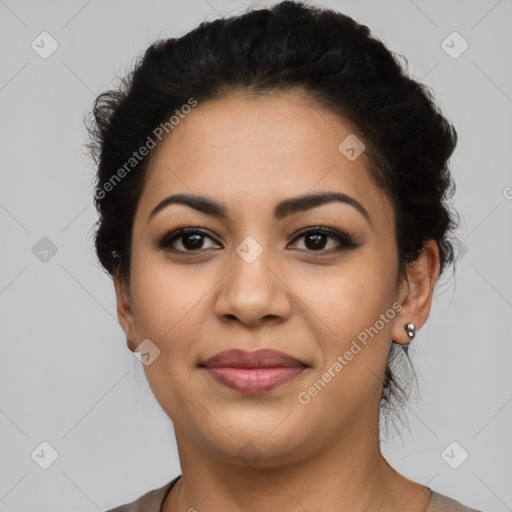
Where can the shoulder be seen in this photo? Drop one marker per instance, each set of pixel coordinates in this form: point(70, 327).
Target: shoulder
point(148, 502)
point(441, 503)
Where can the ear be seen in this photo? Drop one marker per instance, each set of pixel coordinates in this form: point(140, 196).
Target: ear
point(416, 291)
point(124, 309)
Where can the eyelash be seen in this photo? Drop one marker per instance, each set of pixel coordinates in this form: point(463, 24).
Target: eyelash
point(345, 241)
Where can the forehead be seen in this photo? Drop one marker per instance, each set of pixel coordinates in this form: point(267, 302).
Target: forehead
point(252, 151)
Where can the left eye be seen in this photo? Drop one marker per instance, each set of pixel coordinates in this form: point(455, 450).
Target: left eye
point(316, 240)
point(192, 239)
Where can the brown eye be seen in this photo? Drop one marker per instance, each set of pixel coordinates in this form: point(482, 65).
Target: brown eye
point(190, 239)
point(317, 239)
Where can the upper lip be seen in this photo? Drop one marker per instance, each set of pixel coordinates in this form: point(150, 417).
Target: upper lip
point(263, 358)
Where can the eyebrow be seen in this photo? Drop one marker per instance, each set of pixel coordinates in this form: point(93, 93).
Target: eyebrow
point(283, 209)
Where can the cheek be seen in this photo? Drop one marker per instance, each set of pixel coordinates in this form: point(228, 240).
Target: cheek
point(169, 300)
point(170, 305)
point(350, 298)
point(355, 303)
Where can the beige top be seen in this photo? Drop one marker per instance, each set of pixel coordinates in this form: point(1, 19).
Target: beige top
point(152, 502)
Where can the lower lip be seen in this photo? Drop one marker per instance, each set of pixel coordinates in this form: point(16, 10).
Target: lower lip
point(254, 380)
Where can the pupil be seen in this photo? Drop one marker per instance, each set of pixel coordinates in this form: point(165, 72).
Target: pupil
point(317, 241)
point(195, 244)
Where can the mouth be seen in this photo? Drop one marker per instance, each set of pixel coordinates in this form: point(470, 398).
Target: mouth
point(253, 372)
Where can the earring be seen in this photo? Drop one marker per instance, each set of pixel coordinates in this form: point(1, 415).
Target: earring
point(410, 329)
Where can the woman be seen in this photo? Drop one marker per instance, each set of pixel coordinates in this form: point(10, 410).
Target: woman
point(272, 194)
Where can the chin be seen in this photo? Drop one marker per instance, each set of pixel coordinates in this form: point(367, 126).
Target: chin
point(245, 436)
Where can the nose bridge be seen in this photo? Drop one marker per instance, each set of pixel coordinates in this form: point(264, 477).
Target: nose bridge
point(250, 273)
point(251, 290)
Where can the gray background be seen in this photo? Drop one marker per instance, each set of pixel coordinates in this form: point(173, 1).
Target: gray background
point(66, 376)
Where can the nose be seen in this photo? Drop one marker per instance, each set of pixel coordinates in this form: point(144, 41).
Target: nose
point(254, 292)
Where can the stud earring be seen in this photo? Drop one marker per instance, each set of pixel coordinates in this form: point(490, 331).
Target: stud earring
point(410, 329)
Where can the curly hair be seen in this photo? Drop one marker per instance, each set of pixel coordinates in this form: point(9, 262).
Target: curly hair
point(332, 59)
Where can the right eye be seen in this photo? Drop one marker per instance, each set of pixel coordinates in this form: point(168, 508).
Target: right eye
point(191, 239)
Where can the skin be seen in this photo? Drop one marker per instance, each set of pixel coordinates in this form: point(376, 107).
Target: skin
point(250, 153)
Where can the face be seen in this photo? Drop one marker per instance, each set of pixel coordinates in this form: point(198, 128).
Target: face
point(315, 280)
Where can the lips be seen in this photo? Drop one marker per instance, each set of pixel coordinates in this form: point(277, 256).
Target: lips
point(264, 358)
point(253, 372)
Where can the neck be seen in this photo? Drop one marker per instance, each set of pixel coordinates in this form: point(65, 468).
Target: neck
point(347, 473)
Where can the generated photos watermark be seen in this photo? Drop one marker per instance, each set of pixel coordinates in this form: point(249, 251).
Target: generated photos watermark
point(305, 397)
point(137, 156)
